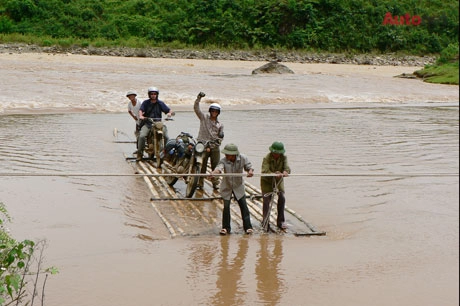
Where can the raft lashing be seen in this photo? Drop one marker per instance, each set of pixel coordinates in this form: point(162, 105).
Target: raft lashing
point(202, 214)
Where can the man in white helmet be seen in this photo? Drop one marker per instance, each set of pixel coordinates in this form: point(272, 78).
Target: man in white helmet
point(151, 108)
point(133, 110)
point(210, 130)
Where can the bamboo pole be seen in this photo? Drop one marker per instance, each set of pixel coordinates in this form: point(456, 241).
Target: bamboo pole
point(173, 194)
point(147, 168)
point(216, 203)
point(165, 221)
point(210, 198)
point(293, 213)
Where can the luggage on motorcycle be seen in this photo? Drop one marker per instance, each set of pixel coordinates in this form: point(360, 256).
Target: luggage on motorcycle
point(178, 152)
point(186, 137)
point(171, 146)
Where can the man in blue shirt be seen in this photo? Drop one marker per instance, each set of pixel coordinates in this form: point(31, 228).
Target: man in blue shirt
point(151, 108)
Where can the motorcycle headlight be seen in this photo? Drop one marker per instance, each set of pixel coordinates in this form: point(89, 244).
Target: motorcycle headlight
point(199, 147)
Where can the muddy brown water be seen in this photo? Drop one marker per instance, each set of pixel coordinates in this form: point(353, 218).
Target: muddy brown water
point(390, 240)
point(112, 248)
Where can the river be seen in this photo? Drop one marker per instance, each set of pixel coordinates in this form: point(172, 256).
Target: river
point(391, 240)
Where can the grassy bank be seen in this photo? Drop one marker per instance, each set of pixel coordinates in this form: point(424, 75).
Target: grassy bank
point(445, 70)
point(440, 74)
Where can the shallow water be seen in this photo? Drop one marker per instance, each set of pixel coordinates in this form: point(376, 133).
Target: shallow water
point(390, 240)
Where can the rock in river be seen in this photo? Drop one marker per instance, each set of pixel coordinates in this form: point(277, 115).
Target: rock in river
point(272, 67)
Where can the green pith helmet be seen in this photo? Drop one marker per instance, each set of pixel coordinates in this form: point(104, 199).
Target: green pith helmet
point(277, 147)
point(231, 149)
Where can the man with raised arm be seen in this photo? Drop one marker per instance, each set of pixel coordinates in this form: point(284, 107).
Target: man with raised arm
point(211, 129)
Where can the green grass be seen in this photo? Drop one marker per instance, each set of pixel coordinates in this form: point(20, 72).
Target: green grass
point(440, 74)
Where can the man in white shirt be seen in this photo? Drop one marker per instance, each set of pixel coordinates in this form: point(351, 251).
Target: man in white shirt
point(133, 109)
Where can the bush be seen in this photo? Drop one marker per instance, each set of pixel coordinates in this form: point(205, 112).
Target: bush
point(449, 54)
point(20, 9)
point(17, 261)
point(6, 25)
point(323, 25)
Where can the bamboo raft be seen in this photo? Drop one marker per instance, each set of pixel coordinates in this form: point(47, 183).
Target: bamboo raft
point(202, 214)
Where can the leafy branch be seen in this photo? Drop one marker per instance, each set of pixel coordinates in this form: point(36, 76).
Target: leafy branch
point(20, 267)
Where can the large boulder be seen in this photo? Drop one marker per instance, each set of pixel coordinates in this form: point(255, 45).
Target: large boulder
point(272, 67)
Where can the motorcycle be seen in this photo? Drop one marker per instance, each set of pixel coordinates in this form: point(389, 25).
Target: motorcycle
point(185, 156)
point(156, 140)
point(178, 153)
point(196, 162)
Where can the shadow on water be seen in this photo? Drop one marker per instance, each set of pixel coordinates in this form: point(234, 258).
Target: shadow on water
point(227, 266)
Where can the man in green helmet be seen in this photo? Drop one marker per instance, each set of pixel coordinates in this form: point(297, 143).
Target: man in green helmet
point(234, 162)
point(275, 162)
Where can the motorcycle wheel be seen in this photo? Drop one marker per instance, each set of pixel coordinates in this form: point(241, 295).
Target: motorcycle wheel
point(193, 181)
point(171, 180)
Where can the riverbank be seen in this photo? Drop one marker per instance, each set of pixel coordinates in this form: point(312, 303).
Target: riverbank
point(236, 55)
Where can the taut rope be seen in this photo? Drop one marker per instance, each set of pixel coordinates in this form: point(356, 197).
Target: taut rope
point(25, 174)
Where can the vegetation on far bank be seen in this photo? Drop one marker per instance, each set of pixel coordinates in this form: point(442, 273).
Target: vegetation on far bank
point(445, 70)
point(338, 26)
point(373, 27)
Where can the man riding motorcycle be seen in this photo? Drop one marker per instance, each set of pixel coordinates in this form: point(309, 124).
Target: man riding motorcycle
point(151, 108)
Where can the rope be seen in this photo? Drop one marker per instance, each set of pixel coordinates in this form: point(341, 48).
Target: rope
point(13, 174)
point(273, 194)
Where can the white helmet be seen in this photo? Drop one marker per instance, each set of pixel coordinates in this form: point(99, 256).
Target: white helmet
point(215, 106)
point(131, 92)
point(153, 89)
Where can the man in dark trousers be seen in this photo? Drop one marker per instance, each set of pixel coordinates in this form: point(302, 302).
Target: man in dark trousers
point(274, 162)
point(211, 129)
point(236, 163)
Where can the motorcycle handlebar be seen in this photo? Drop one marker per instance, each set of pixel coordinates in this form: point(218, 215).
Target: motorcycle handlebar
point(207, 143)
point(187, 134)
point(158, 119)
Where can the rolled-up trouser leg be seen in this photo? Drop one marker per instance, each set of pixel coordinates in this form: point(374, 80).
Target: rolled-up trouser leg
point(266, 208)
point(142, 136)
point(245, 213)
point(136, 133)
point(204, 167)
point(226, 216)
point(215, 158)
point(165, 133)
point(280, 208)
